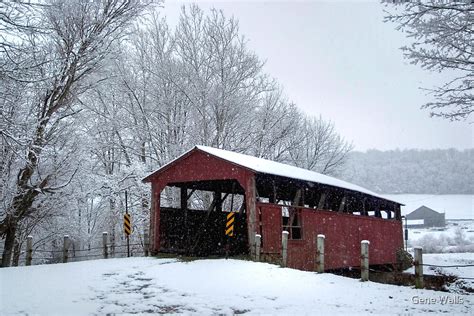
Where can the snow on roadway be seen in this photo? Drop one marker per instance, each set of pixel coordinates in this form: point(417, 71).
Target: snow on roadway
point(204, 287)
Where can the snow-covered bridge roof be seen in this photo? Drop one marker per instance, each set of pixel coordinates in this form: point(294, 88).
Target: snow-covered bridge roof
point(260, 165)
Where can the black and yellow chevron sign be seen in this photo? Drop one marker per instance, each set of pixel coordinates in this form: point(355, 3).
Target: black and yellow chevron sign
point(229, 227)
point(127, 226)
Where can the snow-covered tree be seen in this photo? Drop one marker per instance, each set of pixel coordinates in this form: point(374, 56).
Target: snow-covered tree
point(53, 62)
point(89, 110)
point(442, 35)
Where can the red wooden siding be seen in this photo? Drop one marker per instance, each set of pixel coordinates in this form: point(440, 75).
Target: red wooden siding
point(270, 216)
point(199, 166)
point(343, 232)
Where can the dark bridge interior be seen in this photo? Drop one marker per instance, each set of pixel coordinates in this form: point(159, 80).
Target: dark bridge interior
point(197, 227)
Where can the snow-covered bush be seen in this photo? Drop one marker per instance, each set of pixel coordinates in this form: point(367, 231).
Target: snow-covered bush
point(443, 243)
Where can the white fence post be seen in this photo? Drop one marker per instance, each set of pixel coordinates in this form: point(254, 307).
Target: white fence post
point(320, 253)
point(364, 260)
point(65, 248)
point(419, 284)
point(29, 250)
point(284, 248)
point(258, 244)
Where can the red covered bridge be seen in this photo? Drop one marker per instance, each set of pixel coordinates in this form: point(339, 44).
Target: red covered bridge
point(268, 197)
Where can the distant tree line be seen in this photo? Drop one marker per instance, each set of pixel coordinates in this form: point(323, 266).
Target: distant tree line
point(447, 171)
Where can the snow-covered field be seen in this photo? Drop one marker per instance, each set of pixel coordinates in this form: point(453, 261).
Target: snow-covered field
point(456, 206)
point(457, 236)
point(204, 287)
point(452, 229)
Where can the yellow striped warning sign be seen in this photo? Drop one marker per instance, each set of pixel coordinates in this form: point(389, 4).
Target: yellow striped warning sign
point(127, 226)
point(229, 227)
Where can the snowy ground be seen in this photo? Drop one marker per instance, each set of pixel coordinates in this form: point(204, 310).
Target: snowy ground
point(150, 285)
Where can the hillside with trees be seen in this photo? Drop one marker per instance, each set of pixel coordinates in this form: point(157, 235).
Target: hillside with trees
point(438, 171)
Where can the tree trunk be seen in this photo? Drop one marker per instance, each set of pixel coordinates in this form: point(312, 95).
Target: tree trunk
point(11, 227)
point(16, 253)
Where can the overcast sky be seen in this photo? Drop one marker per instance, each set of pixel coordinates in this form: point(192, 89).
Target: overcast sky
point(341, 61)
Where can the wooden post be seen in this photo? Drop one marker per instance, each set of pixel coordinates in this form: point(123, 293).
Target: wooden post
point(250, 199)
point(104, 243)
point(419, 284)
point(184, 209)
point(258, 243)
point(29, 250)
point(218, 199)
point(273, 196)
point(364, 209)
point(146, 240)
point(320, 253)
point(364, 260)
point(284, 248)
point(398, 213)
point(297, 198)
point(65, 248)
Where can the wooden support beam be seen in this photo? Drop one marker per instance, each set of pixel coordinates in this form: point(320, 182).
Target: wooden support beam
point(310, 197)
point(273, 198)
point(347, 208)
point(297, 198)
point(364, 209)
point(398, 213)
point(184, 198)
point(218, 199)
point(342, 205)
point(322, 201)
point(190, 194)
point(184, 208)
point(296, 202)
point(242, 207)
point(232, 197)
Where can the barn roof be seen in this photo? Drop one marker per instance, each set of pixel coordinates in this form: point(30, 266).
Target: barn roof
point(260, 165)
point(422, 211)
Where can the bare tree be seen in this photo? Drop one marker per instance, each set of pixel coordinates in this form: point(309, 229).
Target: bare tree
point(319, 147)
point(275, 125)
point(442, 33)
point(74, 39)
